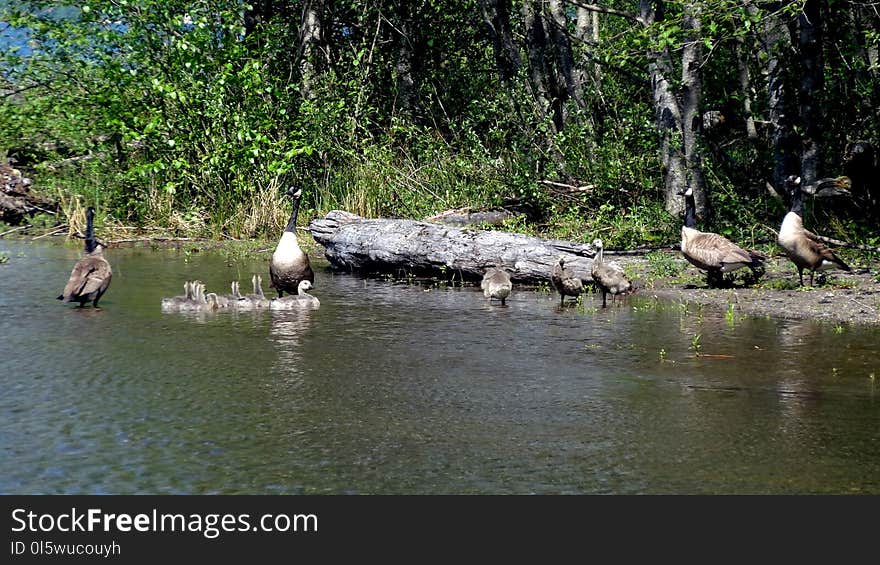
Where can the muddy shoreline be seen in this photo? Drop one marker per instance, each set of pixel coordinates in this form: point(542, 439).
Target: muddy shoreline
point(839, 297)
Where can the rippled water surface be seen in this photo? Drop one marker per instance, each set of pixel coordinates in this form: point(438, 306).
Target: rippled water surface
point(394, 388)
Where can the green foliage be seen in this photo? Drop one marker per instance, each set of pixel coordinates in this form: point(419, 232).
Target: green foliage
point(663, 265)
point(197, 116)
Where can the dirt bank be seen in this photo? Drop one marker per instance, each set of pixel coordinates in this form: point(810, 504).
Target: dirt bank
point(838, 297)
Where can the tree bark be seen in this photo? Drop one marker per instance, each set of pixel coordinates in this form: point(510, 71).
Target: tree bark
point(691, 61)
point(783, 138)
point(507, 58)
point(403, 65)
point(811, 84)
point(745, 86)
point(564, 54)
point(427, 249)
point(311, 36)
point(537, 49)
point(667, 115)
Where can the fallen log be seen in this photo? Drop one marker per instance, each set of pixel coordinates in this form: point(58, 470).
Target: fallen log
point(426, 249)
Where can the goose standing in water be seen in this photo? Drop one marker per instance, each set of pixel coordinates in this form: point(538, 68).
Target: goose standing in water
point(290, 264)
point(496, 284)
point(91, 275)
point(711, 252)
point(565, 282)
point(803, 247)
point(301, 299)
point(610, 278)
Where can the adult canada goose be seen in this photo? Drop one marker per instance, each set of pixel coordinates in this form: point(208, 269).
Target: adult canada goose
point(91, 275)
point(301, 299)
point(289, 263)
point(496, 284)
point(803, 247)
point(609, 277)
point(711, 252)
point(174, 303)
point(565, 282)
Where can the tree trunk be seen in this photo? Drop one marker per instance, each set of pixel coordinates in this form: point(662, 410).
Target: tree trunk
point(406, 94)
point(507, 58)
point(811, 84)
point(311, 34)
point(783, 138)
point(691, 61)
point(564, 54)
point(745, 86)
point(667, 116)
point(427, 249)
point(537, 49)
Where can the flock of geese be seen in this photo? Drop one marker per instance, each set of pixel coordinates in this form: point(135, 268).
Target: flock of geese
point(291, 272)
point(289, 269)
point(710, 252)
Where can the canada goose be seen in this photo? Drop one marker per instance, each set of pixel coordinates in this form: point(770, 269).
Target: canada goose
point(610, 278)
point(174, 303)
point(496, 284)
point(289, 263)
point(803, 247)
point(301, 299)
point(565, 281)
point(711, 252)
point(91, 275)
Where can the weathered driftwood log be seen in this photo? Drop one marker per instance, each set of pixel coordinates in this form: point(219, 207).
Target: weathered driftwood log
point(422, 248)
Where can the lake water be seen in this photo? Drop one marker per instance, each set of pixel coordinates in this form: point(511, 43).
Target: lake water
point(400, 388)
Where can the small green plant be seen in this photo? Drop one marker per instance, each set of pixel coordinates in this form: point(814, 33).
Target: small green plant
point(696, 346)
point(838, 329)
point(730, 315)
point(4, 258)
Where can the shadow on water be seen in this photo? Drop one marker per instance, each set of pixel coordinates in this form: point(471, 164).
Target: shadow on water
point(396, 388)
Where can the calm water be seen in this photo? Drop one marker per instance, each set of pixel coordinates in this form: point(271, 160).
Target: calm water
point(391, 388)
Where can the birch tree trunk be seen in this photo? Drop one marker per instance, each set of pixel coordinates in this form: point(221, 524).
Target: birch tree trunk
point(667, 115)
point(311, 34)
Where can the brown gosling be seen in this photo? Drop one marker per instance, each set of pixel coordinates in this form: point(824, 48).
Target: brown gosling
point(609, 278)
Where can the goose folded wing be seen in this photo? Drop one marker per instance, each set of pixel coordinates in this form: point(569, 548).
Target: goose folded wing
point(817, 246)
point(716, 250)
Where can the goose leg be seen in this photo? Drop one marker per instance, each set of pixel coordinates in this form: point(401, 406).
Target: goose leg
point(801, 275)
